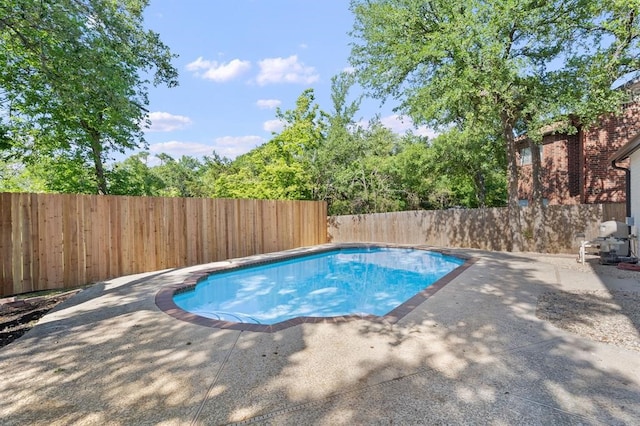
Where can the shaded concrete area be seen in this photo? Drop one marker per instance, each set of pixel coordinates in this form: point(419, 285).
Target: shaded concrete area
point(474, 352)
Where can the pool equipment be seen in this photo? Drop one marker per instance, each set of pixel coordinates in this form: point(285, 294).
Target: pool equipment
point(613, 243)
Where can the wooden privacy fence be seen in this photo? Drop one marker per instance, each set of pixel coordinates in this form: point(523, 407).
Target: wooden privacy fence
point(52, 241)
point(485, 229)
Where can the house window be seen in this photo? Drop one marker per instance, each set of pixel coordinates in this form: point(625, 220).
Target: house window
point(525, 203)
point(525, 155)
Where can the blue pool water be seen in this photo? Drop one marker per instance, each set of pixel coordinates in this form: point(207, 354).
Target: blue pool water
point(339, 282)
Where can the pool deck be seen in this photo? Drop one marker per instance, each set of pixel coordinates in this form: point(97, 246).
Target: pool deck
point(472, 353)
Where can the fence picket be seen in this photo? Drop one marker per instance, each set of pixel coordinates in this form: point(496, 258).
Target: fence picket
point(62, 241)
point(485, 229)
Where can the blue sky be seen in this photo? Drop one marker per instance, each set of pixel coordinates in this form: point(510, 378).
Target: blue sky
point(238, 61)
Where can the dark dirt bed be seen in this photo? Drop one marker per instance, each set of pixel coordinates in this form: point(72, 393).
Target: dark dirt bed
point(18, 317)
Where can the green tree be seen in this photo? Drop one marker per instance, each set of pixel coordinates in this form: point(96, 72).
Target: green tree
point(133, 176)
point(507, 66)
point(412, 174)
point(296, 147)
point(179, 178)
point(16, 177)
point(372, 185)
point(282, 167)
point(66, 174)
point(75, 77)
point(338, 149)
point(475, 164)
point(361, 180)
point(213, 167)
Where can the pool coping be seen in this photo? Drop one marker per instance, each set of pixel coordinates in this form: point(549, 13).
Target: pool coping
point(164, 297)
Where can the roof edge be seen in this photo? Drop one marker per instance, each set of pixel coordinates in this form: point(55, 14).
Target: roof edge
point(627, 149)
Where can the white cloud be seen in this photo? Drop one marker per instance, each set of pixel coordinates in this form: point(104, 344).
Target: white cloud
point(166, 122)
point(226, 146)
point(397, 123)
point(403, 124)
point(232, 146)
point(268, 103)
point(218, 72)
point(177, 149)
point(426, 131)
point(285, 70)
point(273, 126)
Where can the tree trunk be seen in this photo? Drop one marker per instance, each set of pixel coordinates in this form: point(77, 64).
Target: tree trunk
point(512, 184)
point(481, 189)
point(537, 207)
point(96, 155)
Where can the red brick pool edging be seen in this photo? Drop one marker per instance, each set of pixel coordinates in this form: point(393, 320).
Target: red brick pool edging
point(164, 297)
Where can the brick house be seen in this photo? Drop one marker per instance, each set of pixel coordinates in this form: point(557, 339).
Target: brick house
point(631, 152)
point(576, 169)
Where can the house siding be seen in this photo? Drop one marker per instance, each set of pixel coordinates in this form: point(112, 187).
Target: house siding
point(602, 183)
point(560, 170)
point(576, 168)
point(635, 187)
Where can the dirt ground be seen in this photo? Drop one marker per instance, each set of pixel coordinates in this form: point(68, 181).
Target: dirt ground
point(16, 318)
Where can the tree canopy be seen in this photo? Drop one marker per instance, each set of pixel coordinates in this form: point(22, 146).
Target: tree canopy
point(75, 78)
point(506, 67)
point(355, 167)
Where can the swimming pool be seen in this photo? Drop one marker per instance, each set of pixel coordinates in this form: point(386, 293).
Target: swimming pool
point(342, 282)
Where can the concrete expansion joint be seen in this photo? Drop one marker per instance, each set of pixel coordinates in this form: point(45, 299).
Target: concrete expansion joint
point(360, 390)
point(318, 402)
point(528, 345)
point(555, 408)
point(215, 380)
point(297, 407)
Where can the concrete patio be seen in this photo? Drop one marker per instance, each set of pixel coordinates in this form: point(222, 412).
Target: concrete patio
point(474, 353)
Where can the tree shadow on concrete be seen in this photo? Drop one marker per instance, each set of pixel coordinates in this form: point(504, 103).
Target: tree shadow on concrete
point(109, 356)
point(475, 352)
